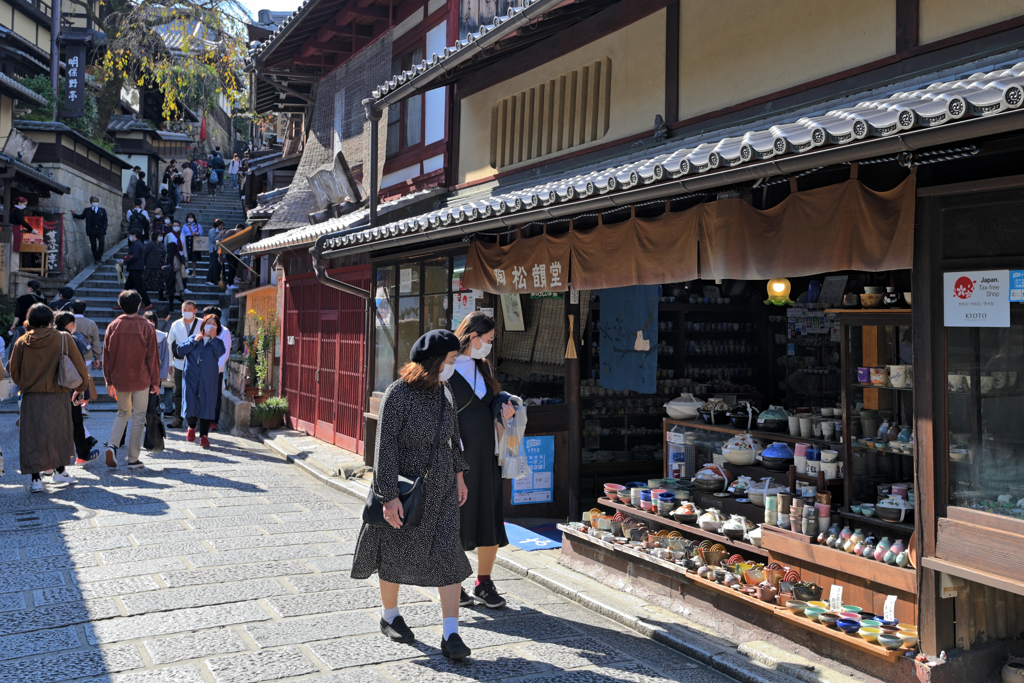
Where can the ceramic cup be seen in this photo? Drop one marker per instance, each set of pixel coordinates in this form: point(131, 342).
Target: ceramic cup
point(800, 450)
point(910, 377)
point(829, 456)
point(828, 429)
point(879, 376)
point(801, 464)
point(828, 412)
point(813, 467)
point(831, 469)
point(864, 375)
point(823, 510)
point(957, 383)
point(817, 428)
point(999, 380)
point(794, 425)
point(806, 426)
point(808, 490)
point(987, 384)
point(897, 375)
point(841, 470)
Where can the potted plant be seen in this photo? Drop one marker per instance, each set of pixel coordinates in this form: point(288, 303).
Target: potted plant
point(270, 412)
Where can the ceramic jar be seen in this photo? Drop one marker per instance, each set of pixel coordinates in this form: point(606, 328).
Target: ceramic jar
point(1013, 670)
point(846, 533)
point(855, 538)
point(882, 547)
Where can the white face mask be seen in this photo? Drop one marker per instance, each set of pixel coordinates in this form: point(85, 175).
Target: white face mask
point(211, 330)
point(482, 352)
point(95, 205)
point(22, 207)
point(447, 370)
point(188, 315)
point(177, 228)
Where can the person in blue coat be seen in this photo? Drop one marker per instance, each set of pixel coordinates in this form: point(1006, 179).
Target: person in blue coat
point(201, 378)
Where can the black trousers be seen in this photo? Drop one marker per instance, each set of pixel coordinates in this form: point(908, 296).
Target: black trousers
point(134, 281)
point(81, 445)
point(96, 242)
point(220, 392)
point(178, 385)
point(204, 425)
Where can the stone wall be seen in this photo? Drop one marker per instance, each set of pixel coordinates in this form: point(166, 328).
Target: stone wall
point(77, 251)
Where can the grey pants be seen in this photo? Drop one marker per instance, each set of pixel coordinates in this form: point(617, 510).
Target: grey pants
point(130, 404)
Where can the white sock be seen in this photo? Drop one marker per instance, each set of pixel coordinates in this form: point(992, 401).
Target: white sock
point(389, 614)
point(87, 434)
point(451, 625)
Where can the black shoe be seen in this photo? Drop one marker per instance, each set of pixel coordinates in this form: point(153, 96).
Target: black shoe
point(91, 442)
point(487, 595)
point(397, 630)
point(466, 600)
point(454, 648)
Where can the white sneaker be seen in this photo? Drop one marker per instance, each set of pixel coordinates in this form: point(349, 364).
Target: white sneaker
point(63, 478)
point(188, 291)
point(37, 486)
point(85, 412)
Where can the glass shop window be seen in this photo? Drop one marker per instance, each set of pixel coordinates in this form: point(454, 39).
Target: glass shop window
point(384, 325)
point(985, 371)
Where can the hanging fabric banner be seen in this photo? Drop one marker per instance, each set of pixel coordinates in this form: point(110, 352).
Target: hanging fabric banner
point(74, 90)
point(629, 338)
point(839, 227)
point(638, 251)
point(527, 266)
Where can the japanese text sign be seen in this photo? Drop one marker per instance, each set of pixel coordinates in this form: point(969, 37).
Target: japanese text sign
point(976, 299)
point(527, 266)
point(539, 485)
point(74, 90)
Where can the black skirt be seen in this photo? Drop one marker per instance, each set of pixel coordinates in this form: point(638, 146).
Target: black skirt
point(482, 519)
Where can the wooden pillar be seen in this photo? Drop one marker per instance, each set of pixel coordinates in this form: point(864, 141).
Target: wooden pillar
point(672, 62)
point(572, 404)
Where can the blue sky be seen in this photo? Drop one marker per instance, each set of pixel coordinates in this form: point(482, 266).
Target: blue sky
point(255, 6)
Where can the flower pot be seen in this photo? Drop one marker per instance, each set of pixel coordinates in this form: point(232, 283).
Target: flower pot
point(272, 423)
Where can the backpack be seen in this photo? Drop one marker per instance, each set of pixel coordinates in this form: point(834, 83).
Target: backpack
point(138, 222)
point(214, 178)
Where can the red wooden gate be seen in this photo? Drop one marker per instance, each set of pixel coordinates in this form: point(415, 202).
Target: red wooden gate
point(322, 357)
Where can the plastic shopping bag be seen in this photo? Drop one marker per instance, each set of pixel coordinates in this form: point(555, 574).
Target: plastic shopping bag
point(511, 457)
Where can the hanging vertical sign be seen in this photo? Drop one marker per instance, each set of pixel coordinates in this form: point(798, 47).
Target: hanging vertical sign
point(74, 90)
point(53, 238)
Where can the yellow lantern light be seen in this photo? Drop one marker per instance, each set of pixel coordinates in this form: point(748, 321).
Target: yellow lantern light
point(778, 292)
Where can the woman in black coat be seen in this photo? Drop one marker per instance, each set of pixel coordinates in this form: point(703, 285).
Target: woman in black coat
point(476, 391)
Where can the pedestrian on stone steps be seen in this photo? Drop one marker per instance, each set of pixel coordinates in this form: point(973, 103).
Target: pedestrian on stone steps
point(46, 437)
point(163, 324)
point(202, 384)
point(213, 270)
point(186, 187)
point(65, 321)
point(153, 257)
point(131, 368)
point(225, 337)
point(135, 265)
point(181, 331)
point(90, 332)
point(175, 274)
point(418, 431)
point(190, 231)
point(233, 168)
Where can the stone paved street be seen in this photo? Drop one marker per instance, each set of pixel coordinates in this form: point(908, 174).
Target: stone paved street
point(231, 566)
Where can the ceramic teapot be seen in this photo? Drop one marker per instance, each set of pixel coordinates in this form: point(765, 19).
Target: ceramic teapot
point(685, 407)
point(895, 503)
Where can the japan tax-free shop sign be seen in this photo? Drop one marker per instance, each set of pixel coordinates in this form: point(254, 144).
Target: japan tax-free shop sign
point(978, 298)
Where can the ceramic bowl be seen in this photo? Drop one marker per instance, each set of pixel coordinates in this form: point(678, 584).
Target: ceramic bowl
point(893, 623)
point(908, 628)
point(813, 613)
point(852, 608)
point(890, 642)
point(871, 300)
point(871, 623)
point(818, 603)
point(869, 634)
point(734, 534)
point(848, 625)
point(909, 638)
point(850, 616)
point(867, 509)
point(796, 606)
point(828, 618)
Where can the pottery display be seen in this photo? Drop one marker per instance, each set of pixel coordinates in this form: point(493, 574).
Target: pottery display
point(774, 419)
point(744, 415)
point(742, 449)
point(1013, 670)
point(890, 642)
point(777, 457)
point(714, 412)
point(894, 509)
point(684, 407)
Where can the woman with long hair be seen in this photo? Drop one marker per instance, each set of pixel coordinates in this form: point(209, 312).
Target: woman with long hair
point(417, 418)
point(46, 440)
point(202, 379)
point(480, 399)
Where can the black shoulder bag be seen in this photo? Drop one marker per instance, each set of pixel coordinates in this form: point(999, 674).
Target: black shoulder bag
point(410, 491)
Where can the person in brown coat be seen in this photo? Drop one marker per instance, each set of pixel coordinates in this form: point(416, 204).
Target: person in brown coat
point(131, 368)
point(47, 434)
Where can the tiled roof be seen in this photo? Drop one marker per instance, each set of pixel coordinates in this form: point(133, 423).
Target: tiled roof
point(58, 127)
point(122, 123)
point(176, 33)
point(17, 90)
point(979, 95)
point(173, 137)
point(34, 174)
point(308, 234)
point(266, 204)
point(283, 24)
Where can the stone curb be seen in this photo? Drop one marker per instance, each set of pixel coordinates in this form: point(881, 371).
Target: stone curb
point(709, 655)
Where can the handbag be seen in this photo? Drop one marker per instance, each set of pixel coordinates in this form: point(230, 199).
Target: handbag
point(201, 243)
point(410, 491)
point(67, 374)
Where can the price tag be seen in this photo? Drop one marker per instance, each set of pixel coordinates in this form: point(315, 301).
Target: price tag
point(889, 611)
point(835, 599)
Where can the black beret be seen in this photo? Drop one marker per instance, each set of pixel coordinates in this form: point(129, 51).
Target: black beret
point(434, 343)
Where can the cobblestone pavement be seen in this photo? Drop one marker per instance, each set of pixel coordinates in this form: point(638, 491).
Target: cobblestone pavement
point(231, 566)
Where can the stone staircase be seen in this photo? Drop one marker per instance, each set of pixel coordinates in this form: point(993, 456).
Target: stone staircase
point(100, 288)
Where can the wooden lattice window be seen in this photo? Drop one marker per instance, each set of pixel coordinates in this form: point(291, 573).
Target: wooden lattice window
point(564, 112)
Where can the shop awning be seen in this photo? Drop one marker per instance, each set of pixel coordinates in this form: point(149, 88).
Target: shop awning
point(238, 240)
point(27, 178)
point(919, 118)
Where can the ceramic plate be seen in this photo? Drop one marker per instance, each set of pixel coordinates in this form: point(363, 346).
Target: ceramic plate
point(721, 495)
point(742, 500)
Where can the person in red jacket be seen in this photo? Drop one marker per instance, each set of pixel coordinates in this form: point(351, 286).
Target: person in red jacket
point(131, 368)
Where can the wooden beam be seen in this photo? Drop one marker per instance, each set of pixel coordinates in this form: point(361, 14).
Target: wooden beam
point(371, 12)
point(672, 62)
point(907, 21)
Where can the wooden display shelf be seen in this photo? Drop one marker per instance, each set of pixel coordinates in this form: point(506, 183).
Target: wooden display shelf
point(851, 640)
point(683, 528)
point(858, 385)
point(896, 527)
point(878, 572)
point(621, 467)
point(757, 434)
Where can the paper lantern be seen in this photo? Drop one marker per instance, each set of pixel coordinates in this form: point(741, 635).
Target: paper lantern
point(778, 292)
